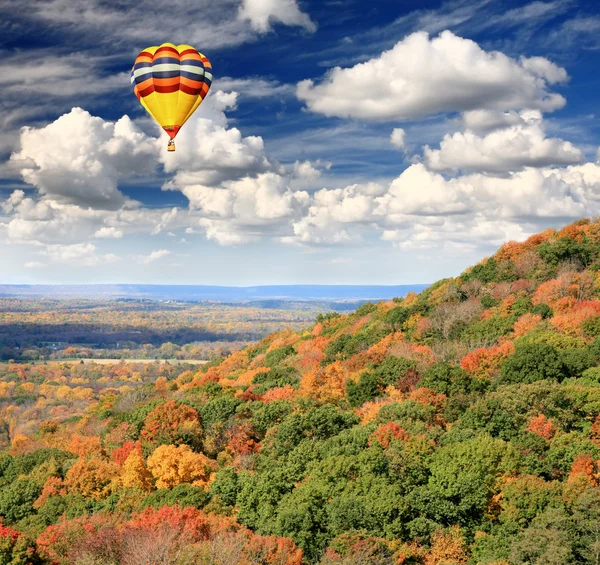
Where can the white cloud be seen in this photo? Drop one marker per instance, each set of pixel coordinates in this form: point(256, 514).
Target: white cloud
point(503, 150)
point(56, 76)
point(109, 233)
point(419, 192)
point(254, 87)
point(420, 76)
point(545, 69)
point(262, 13)
point(209, 152)
point(78, 254)
point(155, 256)
point(42, 221)
point(226, 232)
point(333, 212)
point(421, 209)
point(137, 24)
point(309, 171)
point(165, 220)
point(248, 208)
point(398, 138)
point(80, 158)
point(485, 121)
point(477, 209)
point(34, 265)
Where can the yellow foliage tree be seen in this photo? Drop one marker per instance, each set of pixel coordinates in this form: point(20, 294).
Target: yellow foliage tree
point(172, 466)
point(134, 473)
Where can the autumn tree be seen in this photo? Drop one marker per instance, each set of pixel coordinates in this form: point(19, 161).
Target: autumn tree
point(91, 477)
point(171, 465)
point(134, 473)
point(172, 423)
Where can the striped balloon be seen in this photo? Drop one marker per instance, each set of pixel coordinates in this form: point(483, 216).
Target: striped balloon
point(171, 82)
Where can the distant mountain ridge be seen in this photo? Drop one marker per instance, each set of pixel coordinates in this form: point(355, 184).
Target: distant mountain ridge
point(217, 293)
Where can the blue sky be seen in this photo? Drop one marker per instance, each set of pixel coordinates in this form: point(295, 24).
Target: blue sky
point(342, 142)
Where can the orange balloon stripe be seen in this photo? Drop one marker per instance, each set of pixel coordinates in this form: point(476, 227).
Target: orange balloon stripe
point(166, 81)
point(190, 82)
point(166, 52)
point(190, 55)
point(143, 85)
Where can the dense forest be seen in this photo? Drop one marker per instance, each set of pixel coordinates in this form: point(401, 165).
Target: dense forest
point(457, 426)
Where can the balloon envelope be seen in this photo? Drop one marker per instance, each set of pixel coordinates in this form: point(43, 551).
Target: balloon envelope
point(171, 81)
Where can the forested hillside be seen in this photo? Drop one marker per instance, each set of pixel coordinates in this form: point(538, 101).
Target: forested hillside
point(458, 426)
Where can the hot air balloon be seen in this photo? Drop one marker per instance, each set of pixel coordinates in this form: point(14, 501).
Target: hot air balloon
point(171, 82)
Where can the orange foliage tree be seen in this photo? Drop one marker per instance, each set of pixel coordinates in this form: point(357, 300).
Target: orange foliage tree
point(541, 426)
point(485, 361)
point(325, 385)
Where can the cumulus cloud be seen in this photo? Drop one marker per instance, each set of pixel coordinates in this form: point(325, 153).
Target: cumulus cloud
point(421, 209)
point(503, 150)
point(306, 173)
point(227, 232)
point(243, 210)
point(79, 158)
point(77, 162)
point(398, 138)
point(27, 219)
point(109, 233)
point(485, 121)
point(421, 76)
point(263, 13)
point(154, 256)
point(210, 152)
point(475, 209)
point(332, 213)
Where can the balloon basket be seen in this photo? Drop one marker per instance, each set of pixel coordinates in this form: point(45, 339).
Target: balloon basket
point(171, 146)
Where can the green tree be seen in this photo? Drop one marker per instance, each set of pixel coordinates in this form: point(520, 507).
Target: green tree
point(533, 362)
point(16, 499)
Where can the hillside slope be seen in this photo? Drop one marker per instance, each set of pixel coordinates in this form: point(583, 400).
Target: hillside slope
point(460, 425)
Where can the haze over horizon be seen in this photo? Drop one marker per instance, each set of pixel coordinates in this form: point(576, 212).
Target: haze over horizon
point(388, 143)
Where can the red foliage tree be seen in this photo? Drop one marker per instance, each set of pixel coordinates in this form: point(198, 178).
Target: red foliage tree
point(171, 422)
point(120, 454)
point(386, 433)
